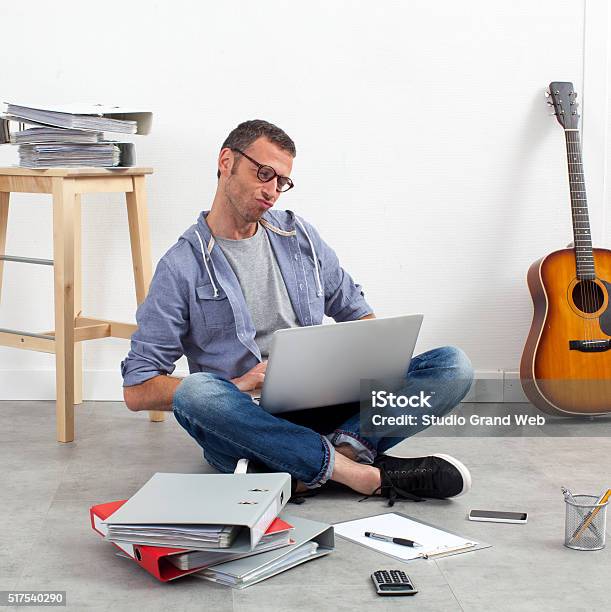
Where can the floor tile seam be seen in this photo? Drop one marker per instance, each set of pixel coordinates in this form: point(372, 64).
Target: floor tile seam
point(449, 584)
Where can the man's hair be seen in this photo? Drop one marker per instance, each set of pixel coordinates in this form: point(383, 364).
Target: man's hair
point(246, 133)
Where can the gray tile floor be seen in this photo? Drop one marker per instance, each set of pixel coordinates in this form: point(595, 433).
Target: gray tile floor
point(46, 541)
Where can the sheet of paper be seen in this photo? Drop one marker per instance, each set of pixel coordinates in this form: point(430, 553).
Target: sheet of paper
point(433, 540)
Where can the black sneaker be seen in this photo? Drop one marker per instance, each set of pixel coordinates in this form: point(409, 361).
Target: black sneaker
point(436, 476)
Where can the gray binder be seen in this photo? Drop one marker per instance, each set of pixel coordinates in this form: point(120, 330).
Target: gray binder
point(246, 571)
point(97, 117)
point(172, 508)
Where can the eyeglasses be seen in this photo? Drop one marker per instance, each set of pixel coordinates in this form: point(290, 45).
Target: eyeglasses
point(266, 174)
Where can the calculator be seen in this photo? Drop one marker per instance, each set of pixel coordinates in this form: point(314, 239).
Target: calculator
point(393, 582)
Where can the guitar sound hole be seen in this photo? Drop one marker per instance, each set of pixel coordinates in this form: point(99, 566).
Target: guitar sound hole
point(588, 296)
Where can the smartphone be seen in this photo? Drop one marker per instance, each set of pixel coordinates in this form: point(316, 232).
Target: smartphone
point(494, 516)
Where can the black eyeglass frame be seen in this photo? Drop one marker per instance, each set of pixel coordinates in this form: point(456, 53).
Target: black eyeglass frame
point(260, 167)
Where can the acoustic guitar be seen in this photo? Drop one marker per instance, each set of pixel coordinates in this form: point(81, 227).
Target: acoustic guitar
point(566, 364)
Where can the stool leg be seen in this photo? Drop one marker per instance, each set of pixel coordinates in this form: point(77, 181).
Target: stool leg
point(63, 263)
point(78, 297)
point(139, 235)
point(4, 196)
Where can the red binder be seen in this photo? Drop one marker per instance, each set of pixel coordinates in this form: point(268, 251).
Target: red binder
point(154, 559)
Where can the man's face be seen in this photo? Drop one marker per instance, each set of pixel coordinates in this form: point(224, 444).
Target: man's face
point(247, 195)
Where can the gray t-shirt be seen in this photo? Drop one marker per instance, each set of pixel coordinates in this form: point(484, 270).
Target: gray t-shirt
point(254, 263)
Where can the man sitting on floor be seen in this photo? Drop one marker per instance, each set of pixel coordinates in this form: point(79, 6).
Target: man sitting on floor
point(238, 274)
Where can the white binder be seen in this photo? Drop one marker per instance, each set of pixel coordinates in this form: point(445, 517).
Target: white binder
point(99, 117)
point(188, 510)
point(312, 540)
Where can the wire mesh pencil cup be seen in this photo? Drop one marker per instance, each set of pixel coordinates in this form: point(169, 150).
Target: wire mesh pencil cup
point(585, 523)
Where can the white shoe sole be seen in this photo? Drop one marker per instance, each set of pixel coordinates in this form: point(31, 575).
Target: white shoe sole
point(462, 468)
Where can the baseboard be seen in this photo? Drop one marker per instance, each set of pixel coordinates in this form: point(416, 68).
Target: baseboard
point(98, 385)
point(491, 386)
point(106, 385)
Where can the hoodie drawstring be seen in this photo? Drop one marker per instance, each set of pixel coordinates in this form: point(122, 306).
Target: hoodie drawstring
point(201, 244)
point(319, 291)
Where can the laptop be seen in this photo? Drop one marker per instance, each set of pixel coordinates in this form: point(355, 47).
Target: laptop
point(322, 365)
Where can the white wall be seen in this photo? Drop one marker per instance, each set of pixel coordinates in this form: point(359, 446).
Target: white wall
point(425, 155)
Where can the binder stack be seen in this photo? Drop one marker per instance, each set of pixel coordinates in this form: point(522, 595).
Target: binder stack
point(227, 528)
point(72, 135)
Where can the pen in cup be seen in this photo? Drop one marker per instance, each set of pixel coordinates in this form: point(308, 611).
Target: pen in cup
point(587, 521)
point(568, 496)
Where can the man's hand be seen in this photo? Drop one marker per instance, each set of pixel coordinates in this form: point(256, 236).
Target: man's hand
point(253, 379)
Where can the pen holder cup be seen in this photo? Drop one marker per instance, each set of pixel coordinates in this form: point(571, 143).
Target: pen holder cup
point(585, 523)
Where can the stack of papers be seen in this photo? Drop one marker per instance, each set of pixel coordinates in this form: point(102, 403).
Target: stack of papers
point(99, 155)
point(43, 135)
point(193, 536)
point(72, 135)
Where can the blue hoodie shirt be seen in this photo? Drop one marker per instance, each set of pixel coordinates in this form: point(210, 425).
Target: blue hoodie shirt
point(195, 306)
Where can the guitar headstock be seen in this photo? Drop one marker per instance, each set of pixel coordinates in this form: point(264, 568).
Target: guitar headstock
point(561, 96)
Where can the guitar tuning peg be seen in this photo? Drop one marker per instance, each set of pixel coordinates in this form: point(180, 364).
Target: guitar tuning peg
point(550, 103)
point(546, 93)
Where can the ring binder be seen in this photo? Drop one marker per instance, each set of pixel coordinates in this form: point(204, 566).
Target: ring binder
point(188, 510)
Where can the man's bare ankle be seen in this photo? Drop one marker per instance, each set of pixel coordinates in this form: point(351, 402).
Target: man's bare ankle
point(376, 482)
point(362, 478)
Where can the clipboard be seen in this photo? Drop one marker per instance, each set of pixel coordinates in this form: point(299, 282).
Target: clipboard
point(418, 530)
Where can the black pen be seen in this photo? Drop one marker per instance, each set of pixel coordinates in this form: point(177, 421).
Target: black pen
point(385, 538)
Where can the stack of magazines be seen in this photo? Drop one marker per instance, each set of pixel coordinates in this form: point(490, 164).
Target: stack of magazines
point(73, 135)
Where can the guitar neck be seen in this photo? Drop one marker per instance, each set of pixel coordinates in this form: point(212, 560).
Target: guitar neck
point(584, 257)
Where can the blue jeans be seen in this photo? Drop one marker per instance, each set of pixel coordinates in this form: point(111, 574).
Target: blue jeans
point(229, 426)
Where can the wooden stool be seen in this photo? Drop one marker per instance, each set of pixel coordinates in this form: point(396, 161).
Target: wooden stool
point(71, 327)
